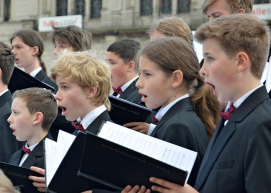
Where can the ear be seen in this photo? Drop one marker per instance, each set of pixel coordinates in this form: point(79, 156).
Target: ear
point(241, 11)
point(243, 61)
point(38, 118)
point(177, 78)
point(92, 93)
point(35, 51)
point(131, 66)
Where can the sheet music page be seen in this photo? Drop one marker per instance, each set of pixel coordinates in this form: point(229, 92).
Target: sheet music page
point(171, 154)
point(55, 152)
point(265, 72)
point(268, 77)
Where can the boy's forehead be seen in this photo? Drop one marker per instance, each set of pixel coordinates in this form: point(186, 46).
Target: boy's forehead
point(221, 6)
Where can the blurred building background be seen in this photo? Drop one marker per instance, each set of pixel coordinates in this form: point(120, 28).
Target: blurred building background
point(108, 20)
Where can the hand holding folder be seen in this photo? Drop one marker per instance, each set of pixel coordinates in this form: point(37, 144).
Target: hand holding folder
point(115, 158)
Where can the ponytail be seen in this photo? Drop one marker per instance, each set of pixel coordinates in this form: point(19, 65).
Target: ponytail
point(206, 105)
point(42, 65)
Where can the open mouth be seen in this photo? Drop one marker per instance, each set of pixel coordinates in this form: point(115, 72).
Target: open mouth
point(143, 97)
point(63, 110)
point(214, 91)
point(16, 60)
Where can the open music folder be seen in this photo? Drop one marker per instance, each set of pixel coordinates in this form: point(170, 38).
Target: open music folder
point(21, 80)
point(120, 157)
point(19, 177)
point(115, 158)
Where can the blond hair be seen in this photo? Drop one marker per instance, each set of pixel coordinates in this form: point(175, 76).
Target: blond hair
point(87, 71)
point(251, 36)
point(173, 53)
point(172, 27)
point(6, 185)
point(234, 5)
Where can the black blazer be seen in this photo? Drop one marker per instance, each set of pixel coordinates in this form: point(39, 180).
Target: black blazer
point(131, 94)
point(182, 126)
point(238, 157)
point(35, 158)
point(8, 142)
point(96, 124)
point(44, 78)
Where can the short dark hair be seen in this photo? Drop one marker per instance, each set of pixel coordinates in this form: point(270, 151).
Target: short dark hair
point(126, 49)
point(39, 100)
point(6, 62)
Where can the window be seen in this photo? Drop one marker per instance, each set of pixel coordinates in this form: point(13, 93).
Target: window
point(61, 7)
point(145, 7)
point(7, 10)
point(80, 7)
point(165, 7)
point(184, 6)
point(95, 9)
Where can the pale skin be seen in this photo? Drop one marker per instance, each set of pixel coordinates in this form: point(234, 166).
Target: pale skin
point(141, 127)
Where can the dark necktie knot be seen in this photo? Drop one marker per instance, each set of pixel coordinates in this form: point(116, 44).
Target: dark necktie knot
point(117, 91)
point(227, 115)
point(155, 120)
point(25, 150)
point(78, 126)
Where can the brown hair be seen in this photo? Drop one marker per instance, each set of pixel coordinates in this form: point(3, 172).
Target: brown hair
point(39, 100)
point(87, 71)
point(6, 185)
point(79, 39)
point(172, 27)
point(174, 53)
point(251, 37)
point(234, 5)
point(6, 62)
point(31, 38)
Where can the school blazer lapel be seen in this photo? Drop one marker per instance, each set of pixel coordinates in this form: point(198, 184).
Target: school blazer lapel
point(182, 105)
point(32, 158)
point(5, 98)
point(129, 90)
point(223, 134)
point(41, 75)
point(96, 124)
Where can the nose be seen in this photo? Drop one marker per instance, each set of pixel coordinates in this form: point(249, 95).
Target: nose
point(9, 119)
point(139, 82)
point(57, 97)
point(203, 71)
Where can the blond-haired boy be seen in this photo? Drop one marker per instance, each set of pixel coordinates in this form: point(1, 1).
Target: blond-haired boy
point(84, 85)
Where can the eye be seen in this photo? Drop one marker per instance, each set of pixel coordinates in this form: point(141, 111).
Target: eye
point(210, 59)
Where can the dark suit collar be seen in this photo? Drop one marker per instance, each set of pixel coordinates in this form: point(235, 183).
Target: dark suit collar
point(182, 105)
point(129, 90)
point(4, 98)
point(41, 75)
point(95, 125)
point(224, 133)
point(38, 151)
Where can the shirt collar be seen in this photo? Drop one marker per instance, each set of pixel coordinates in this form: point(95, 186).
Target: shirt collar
point(31, 147)
point(3, 92)
point(35, 72)
point(163, 111)
point(125, 86)
point(241, 100)
point(91, 116)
